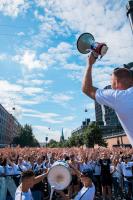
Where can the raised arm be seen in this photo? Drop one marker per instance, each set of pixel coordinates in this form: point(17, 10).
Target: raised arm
point(87, 85)
point(39, 178)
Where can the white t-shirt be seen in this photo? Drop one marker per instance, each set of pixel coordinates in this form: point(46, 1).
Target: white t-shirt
point(9, 170)
point(86, 193)
point(84, 166)
point(115, 171)
point(19, 195)
point(21, 168)
point(122, 102)
point(97, 168)
point(127, 169)
point(27, 164)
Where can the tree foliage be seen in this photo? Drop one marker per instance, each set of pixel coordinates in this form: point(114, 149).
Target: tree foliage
point(26, 137)
point(89, 136)
point(53, 143)
point(93, 135)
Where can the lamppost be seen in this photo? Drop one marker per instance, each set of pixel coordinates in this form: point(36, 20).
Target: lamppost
point(86, 110)
point(46, 139)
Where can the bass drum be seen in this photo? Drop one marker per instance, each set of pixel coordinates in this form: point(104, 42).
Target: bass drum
point(59, 175)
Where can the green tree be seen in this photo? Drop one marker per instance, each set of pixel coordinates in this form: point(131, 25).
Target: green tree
point(75, 140)
point(26, 137)
point(53, 143)
point(93, 135)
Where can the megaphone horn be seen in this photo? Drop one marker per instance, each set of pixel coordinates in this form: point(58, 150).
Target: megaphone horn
point(86, 44)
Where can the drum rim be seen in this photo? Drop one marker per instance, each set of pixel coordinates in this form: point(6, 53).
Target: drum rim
point(67, 170)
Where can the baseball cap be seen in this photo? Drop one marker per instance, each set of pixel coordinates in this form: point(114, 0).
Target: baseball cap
point(87, 173)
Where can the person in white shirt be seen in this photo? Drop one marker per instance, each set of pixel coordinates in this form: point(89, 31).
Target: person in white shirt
point(97, 176)
point(2, 182)
point(85, 164)
point(21, 167)
point(116, 177)
point(127, 169)
point(28, 179)
point(120, 97)
point(38, 169)
point(26, 162)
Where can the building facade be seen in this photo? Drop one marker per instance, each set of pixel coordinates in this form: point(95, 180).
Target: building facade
point(9, 126)
point(81, 128)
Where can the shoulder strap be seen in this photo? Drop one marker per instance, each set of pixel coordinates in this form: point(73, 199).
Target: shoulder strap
point(84, 193)
point(21, 196)
point(35, 166)
point(20, 168)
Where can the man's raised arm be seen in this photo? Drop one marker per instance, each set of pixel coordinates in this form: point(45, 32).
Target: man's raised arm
point(87, 85)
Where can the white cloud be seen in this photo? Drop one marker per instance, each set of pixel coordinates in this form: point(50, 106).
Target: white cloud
point(101, 75)
point(29, 81)
point(20, 33)
point(69, 118)
point(73, 66)
point(90, 106)
point(105, 19)
point(59, 27)
point(29, 59)
point(54, 55)
point(57, 55)
point(7, 87)
point(16, 95)
point(52, 118)
point(76, 76)
point(3, 57)
point(13, 7)
point(32, 90)
point(41, 132)
point(61, 98)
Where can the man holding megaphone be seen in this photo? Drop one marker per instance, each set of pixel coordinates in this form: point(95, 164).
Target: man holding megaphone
point(120, 97)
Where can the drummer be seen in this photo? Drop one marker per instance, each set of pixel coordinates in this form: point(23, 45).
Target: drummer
point(87, 192)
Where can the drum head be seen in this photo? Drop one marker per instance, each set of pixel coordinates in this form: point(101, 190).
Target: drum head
point(59, 177)
point(84, 43)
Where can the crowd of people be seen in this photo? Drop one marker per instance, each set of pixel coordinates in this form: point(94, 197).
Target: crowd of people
point(110, 172)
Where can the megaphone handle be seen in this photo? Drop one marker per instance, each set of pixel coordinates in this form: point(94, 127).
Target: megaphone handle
point(95, 54)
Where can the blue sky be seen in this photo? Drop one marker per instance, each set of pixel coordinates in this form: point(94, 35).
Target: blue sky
point(40, 68)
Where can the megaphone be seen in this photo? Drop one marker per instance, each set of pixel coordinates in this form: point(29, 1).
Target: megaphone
point(86, 44)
